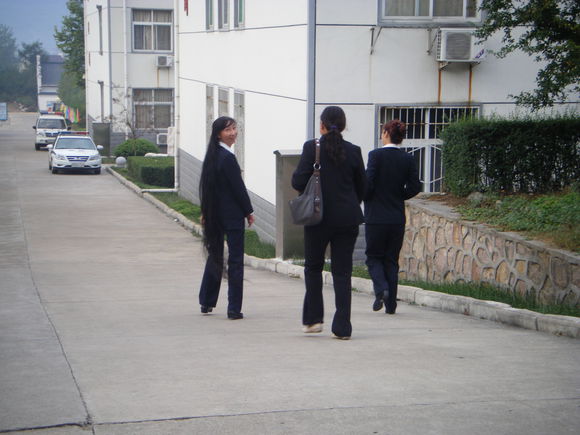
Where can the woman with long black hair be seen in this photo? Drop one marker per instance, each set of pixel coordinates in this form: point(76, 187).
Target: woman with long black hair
point(225, 205)
point(343, 185)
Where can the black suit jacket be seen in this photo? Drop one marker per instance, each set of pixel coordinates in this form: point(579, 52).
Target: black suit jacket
point(392, 178)
point(343, 184)
point(233, 201)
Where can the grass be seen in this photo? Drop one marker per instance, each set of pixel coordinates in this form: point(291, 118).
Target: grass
point(553, 218)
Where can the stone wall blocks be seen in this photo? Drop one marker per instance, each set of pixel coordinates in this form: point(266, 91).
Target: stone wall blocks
point(502, 274)
point(483, 256)
point(560, 272)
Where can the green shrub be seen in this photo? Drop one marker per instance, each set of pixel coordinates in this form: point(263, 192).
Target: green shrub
point(157, 171)
point(135, 147)
point(510, 156)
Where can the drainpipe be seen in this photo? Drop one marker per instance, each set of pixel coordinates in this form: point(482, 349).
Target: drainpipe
point(311, 75)
point(125, 69)
point(110, 70)
point(176, 96)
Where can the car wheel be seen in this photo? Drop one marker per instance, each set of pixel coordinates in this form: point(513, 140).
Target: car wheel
point(54, 170)
point(49, 166)
point(36, 147)
point(98, 171)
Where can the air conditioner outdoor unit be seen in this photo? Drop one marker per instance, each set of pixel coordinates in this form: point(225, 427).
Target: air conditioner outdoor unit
point(164, 61)
point(161, 138)
point(459, 45)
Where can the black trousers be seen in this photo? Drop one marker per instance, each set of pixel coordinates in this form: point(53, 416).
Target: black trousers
point(384, 244)
point(212, 275)
point(342, 240)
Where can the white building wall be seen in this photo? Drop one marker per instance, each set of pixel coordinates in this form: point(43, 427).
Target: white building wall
point(119, 67)
point(267, 61)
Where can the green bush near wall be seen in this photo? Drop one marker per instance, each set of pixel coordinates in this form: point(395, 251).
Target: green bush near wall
point(157, 171)
point(511, 156)
point(136, 147)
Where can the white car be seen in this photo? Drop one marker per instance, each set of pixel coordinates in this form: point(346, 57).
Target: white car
point(48, 127)
point(74, 151)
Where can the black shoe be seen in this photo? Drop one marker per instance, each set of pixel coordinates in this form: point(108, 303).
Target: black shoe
point(378, 304)
point(205, 309)
point(391, 308)
point(232, 315)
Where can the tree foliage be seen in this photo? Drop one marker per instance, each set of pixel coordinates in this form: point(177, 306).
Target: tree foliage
point(70, 93)
point(548, 30)
point(71, 41)
point(18, 69)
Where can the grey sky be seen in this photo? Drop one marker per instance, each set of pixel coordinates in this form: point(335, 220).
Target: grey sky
point(33, 20)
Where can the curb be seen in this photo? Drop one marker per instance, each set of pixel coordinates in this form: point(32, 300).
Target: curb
point(566, 326)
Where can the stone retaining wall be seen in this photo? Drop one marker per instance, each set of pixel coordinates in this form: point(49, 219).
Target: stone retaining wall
point(441, 247)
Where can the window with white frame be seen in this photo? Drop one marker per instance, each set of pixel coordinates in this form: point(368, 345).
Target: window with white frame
point(152, 30)
point(239, 116)
point(223, 14)
point(429, 10)
point(209, 14)
point(209, 110)
point(152, 108)
point(424, 124)
point(223, 102)
point(100, 12)
point(239, 13)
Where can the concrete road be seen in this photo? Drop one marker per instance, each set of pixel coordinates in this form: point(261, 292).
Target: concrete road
point(100, 332)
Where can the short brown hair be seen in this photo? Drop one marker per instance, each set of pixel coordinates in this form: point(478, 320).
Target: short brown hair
point(396, 130)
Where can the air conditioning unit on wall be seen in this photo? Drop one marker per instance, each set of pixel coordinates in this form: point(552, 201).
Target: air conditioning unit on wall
point(161, 138)
point(458, 45)
point(164, 61)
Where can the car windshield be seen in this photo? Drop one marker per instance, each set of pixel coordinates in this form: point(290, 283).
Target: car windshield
point(77, 143)
point(51, 123)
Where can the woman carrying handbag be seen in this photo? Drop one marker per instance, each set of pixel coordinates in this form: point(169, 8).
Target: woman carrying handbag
point(342, 178)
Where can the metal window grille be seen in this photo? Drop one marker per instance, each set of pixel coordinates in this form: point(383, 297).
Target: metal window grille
point(424, 124)
point(239, 111)
point(153, 108)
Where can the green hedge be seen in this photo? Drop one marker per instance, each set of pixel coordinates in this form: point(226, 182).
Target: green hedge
point(511, 156)
point(135, 147)
point(157, 171)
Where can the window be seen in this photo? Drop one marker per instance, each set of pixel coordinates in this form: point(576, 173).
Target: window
point(239, 13)
point(209, 14)
point(422, 138)
point(152, 30)
point(209, 110)
point(152, 108)
point(239, 117)
point(223, 15)
point(426, 10)
point(223, 102)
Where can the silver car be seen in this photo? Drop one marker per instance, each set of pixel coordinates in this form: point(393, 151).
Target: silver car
point(74, 151)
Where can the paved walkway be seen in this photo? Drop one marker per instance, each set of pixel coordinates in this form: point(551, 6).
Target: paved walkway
point(100, 332)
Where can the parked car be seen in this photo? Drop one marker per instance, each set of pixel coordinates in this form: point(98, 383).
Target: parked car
point(48, 126)
point(74, 151)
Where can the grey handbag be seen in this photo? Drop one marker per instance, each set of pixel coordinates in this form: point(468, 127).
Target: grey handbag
point(306, 209)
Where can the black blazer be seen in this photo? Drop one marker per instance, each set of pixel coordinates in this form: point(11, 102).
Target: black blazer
point(392, 178)
point(343, 184)
point(233, 200)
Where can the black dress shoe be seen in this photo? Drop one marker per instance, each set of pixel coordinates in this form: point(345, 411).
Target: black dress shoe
point(391, 308)
point(205, 309)
point(378, 304)
point(232, 315)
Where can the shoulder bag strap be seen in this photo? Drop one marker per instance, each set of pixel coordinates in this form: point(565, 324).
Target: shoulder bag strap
point(316, 165)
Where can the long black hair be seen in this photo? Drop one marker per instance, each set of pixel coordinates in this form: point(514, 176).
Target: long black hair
point(207, 185)
point(334, 120)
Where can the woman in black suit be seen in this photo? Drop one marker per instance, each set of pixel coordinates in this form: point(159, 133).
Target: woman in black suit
point(224, 206)
point(392, 178)
point(343, 185)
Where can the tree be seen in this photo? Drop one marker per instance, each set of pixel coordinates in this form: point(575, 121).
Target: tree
point(7, 47)
point(550, 31)
point(27, 89)
point(70, 93)
point(71, 41)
